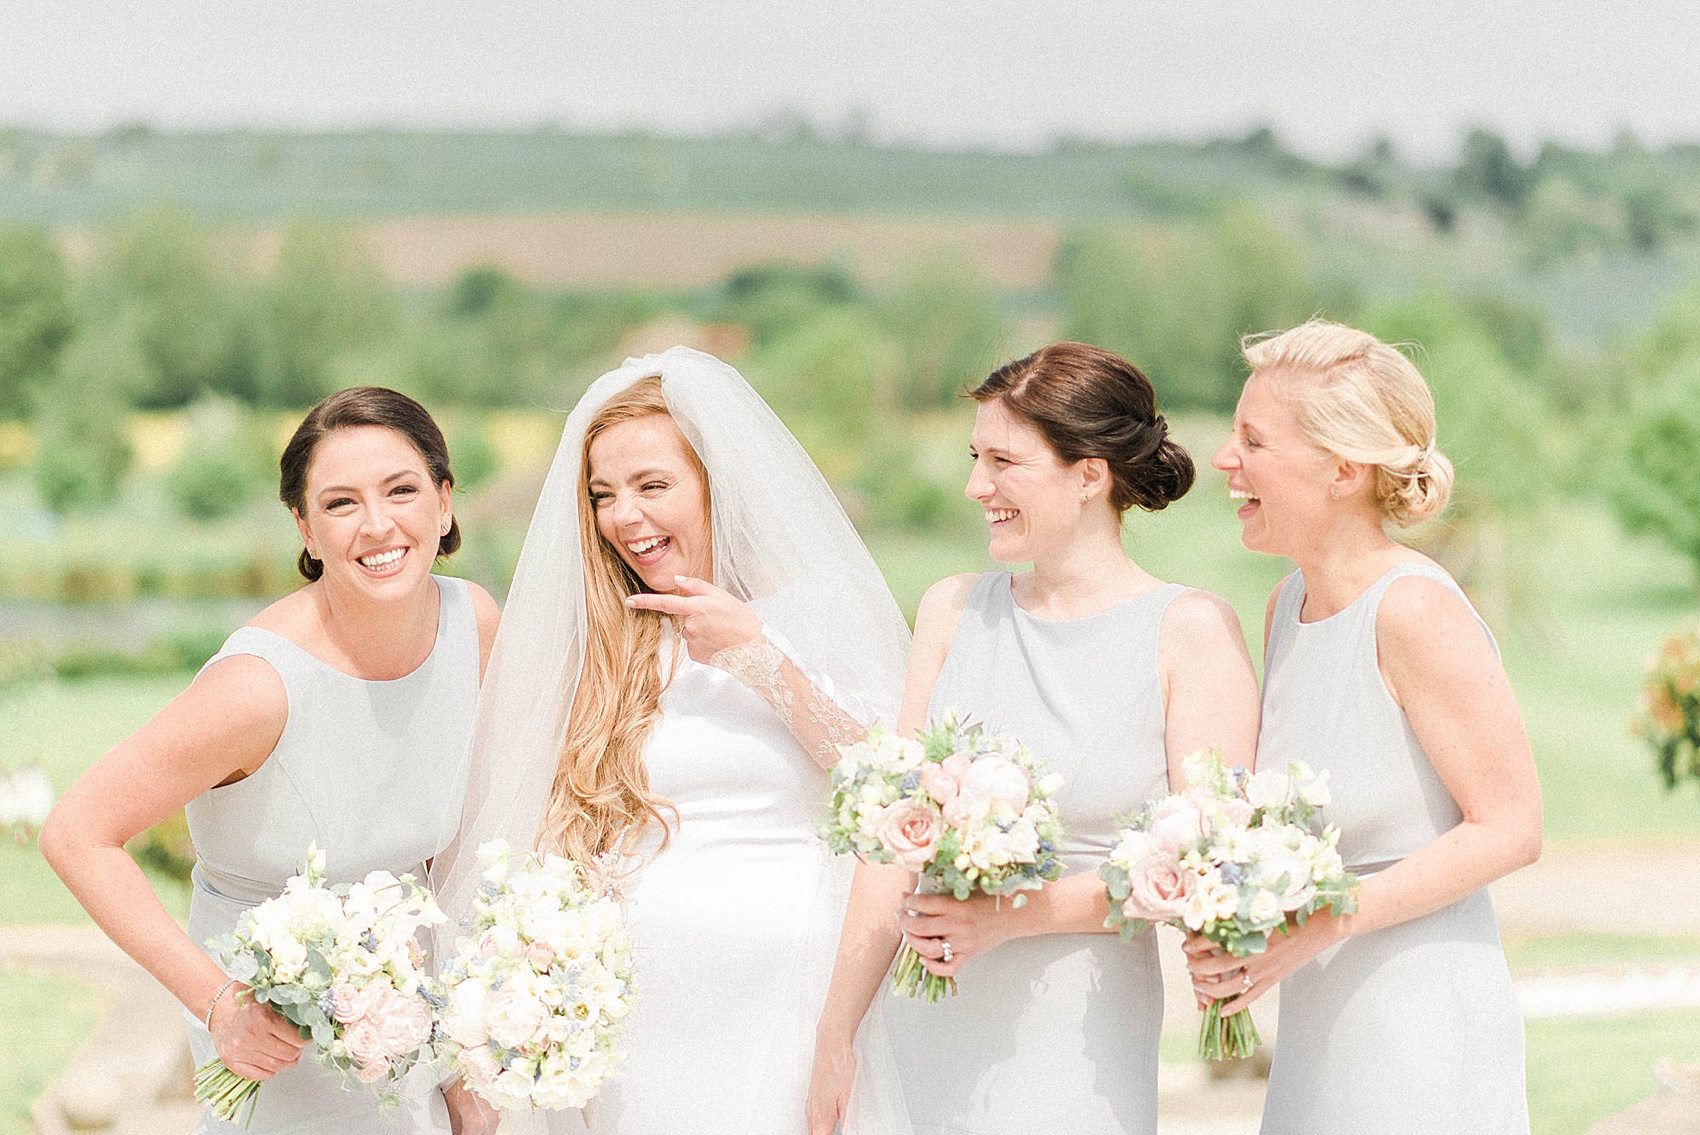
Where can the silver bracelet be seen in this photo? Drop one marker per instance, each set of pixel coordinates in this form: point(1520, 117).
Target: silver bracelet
point(227, 984)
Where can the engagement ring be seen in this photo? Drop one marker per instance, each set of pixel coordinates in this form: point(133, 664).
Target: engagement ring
point(947, 952)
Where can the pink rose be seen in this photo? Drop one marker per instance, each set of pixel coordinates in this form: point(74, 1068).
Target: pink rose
point(910, 830)
point(404, 1023)
point(540, 956)
point(1158, 887)
point(347, 1003)
point(943, 779)
point(1238, 811)
point(1177, 823)
point(365, 1046)
point(994, 779)
point(373, 1072)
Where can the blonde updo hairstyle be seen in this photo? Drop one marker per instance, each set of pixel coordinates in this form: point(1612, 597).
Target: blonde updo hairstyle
point(1364, 401)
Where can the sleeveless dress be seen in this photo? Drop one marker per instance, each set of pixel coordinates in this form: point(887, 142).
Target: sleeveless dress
point(1057, 1032)
point(374, 773)
point(734, 925)
point(1413, 1029)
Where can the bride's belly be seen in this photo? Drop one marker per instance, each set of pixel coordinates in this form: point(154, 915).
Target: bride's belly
point(722, 887)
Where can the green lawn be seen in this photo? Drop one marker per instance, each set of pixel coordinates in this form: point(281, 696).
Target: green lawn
point(65, 727)
point(1584, 1069)
point(43, 1019)
point(1571, 951)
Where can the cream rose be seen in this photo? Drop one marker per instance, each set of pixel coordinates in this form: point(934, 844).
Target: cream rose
point(994, 779)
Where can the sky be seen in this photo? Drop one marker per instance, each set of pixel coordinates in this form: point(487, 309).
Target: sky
point(1328, 75)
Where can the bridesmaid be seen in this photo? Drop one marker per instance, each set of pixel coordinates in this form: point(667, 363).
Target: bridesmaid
point(1112, 675)
point(1401, 1017)
point(341, 714)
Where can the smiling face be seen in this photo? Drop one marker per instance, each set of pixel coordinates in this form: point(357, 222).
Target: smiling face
point(1031, 497)
point(1283, 479)
point(651, 500)
point(371, 514)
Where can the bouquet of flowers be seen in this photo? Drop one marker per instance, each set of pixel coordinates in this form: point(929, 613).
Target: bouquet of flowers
point(26, 797)
point(1669, 717)
point(536, 997)
point(1234, 857)
point(340, 963)
point(964, 808)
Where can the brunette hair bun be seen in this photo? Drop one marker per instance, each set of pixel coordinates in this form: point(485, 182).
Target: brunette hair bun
point(1089, 402)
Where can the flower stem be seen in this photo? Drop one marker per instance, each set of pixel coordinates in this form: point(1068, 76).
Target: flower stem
point(910, 978)
point(1226, 1038)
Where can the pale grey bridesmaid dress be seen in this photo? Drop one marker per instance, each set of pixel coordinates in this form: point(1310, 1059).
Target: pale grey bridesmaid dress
point(374, 773)
point(1057, 1032)
point(1414, 1029)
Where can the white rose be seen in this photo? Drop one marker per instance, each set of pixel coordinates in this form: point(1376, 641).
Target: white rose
point(515, 1014)
point(1266, 909)
point(1267, 787)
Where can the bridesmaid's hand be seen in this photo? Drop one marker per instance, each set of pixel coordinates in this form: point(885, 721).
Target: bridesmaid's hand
point(968, 926)
point(469, 1115)
point(709, 619)
point(830, 1079)
point(252, 1039)
point(1217, 974)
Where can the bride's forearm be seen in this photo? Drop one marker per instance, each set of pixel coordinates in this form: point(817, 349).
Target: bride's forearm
point(865, 949)
point(817, 721)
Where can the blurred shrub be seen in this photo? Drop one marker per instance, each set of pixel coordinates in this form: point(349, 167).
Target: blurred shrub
point(172, 654)
point(83, 453)
point(471, 455)
point(225, 465)
point(166, 847)
point(324, 300)
point(35, 316)
point(948, 325)
point(833, 375)
point(154, 285)
point(1176, 301)
point(1656, 487)
point(773, 300)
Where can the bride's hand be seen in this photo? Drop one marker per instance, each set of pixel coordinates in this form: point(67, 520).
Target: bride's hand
point(709, 619)
point(252, 1039)
point(968, 926)
point(469, 1115)
point(829, 1087)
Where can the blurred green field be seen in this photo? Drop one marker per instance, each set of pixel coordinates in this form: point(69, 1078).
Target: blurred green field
point(1584, 1069)
point(43, 1018)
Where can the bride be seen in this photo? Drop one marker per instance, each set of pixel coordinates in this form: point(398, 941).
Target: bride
point(693, 627)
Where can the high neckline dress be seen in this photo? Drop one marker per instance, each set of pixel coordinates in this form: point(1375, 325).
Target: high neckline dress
point(374, 772)
point(1413, 1029)
point(1056, 1032)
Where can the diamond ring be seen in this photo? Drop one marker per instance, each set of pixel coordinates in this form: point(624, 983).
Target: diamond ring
point(948, 953)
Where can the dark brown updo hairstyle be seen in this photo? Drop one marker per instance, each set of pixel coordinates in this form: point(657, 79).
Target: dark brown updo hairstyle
point(1088, 402)
point(362, 406)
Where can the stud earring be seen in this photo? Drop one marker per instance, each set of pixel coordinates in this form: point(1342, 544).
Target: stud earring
point(1334, 491)
point(1084, 497)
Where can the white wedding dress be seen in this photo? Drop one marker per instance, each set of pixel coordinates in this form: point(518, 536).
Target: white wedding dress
point(735, 925)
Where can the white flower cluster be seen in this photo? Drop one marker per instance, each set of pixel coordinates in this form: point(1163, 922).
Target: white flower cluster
point(1231, 857)
point(342, 964)
point(26, 796)
point(1234, 858)
point(536, 997)
point(959, 804)
point(966, 809)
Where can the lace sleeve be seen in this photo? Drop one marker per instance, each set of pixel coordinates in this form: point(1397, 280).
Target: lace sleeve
point(810, 712)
